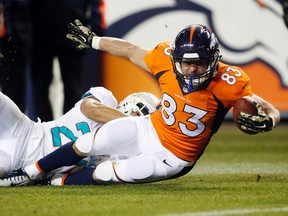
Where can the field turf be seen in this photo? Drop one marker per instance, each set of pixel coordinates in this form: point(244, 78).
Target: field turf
point(237, 175)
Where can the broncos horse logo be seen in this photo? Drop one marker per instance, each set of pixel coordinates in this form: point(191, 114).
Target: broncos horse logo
point(255, 40)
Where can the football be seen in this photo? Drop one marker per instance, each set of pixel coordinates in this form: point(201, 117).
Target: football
point(244, 104)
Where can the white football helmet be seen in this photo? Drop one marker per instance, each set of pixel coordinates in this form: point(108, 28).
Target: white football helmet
point(143, 103)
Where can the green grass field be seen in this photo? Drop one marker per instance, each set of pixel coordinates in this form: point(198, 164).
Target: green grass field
point(237, 175)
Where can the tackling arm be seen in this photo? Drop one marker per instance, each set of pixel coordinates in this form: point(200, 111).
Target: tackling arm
point(99, 112)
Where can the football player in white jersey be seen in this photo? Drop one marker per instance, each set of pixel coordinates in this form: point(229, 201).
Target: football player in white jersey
point(23, 141)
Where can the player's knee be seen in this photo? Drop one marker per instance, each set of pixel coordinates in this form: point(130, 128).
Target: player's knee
point(104, 172)
point(137, 169)
point(140, 168)
point(84, 143)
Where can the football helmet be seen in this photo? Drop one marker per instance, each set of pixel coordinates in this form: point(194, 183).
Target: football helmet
point(195, 43)
point(143, 103)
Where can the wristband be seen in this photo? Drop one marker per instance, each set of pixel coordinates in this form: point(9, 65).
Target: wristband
point(95, 42)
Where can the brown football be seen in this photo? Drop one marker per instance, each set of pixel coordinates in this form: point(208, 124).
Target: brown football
point(244, 104)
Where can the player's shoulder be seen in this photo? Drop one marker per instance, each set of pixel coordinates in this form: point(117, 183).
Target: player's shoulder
point(163, 47)
point(233, 79)
point(102, 94)
point(164, 44)
point(231, 76)
point(159, 56)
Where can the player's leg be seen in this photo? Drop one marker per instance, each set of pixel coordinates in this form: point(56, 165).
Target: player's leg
point(157, 163)
point(119, 137)
point(85, 175)
point(154, 164)
point(142, 168)
point(15, 129)
point(11, 117)
point(130, 137)
point(137, 169)
point(63, 156)
point(66, 155)
point(150, 162)
point(114, 137)
point(82, 177)
point(6, 164)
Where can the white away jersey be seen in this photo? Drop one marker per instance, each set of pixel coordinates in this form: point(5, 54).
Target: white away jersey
point(22, 141)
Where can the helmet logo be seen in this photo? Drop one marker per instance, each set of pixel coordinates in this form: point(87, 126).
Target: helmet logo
point(193, 27)
point(214, 42)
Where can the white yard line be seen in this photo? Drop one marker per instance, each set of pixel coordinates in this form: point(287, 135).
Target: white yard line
point(231, 212)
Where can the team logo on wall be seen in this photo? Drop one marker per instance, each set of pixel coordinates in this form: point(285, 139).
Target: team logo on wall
point(255, 40)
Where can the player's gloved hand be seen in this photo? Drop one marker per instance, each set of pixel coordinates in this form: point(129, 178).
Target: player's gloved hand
point(80, 34)
point(255, 123)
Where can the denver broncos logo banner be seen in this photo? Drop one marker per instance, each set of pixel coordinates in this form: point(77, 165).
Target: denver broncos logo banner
point(257, 40)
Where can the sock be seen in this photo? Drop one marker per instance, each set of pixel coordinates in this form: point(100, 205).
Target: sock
point(82, 177)
point(63, 156)
point(32, 171)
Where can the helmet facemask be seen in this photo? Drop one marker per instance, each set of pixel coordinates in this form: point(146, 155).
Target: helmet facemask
point(193, 82)
point(140, 103)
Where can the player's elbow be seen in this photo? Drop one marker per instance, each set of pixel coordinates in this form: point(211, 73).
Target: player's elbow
point(89, 108)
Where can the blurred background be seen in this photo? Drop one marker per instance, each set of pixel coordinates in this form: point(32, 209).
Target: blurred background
point(253, 34)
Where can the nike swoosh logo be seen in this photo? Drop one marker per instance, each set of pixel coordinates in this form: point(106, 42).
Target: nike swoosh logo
point(263, 126)
point(18, 184)
point(83, 38)
point(165, 162)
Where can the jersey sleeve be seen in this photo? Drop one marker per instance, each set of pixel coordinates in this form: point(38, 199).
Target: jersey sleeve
point(232, 84)
point(162, 53)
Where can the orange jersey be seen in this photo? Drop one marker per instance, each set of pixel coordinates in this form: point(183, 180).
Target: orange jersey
point(185, 123)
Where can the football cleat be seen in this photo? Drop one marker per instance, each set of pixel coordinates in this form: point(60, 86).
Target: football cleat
point(16, 178)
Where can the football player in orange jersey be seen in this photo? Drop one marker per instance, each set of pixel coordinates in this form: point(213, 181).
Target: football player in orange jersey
point(198, 91)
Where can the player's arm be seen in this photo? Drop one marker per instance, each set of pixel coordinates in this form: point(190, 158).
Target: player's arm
point(267, 118)
point(99, 112)
point(122, 48)
point(115, 46)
